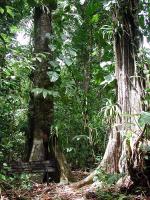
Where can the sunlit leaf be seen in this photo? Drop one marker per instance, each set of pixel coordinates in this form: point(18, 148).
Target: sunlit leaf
point(37, 91)
point(54, 76)
point(79, 137)
point(45, 92)
point(68, 61)
point(95, 18)
point(39, 59)
point(10, 11)
point(82, 2)
point(108, 79)
point(1, 10)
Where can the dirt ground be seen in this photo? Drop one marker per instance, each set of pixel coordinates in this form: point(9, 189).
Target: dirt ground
point(55, 191)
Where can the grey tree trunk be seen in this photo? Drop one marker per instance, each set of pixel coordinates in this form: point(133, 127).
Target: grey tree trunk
point(126, 130)
point(122, 152)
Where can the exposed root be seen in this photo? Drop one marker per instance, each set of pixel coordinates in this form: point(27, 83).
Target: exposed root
point(65, 171)
point(124, 184)
point(88, 180)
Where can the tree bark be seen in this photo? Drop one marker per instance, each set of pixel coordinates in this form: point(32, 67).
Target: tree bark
point(126, 130)
point(122, 152)
point(129, 89)
point(42, 143)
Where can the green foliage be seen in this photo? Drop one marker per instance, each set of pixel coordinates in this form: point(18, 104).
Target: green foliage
point(105, 178)
point(22, 181)
point(10, 11)
point(110, 195)
point(52, 4)
point(15, 68)
point(15, 180)
point(110, 110)
point(80, 47)
point(144, 118)
point(54, 76)
point(45, 92)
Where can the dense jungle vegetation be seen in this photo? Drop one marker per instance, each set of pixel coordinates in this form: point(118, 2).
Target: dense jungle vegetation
point(75, 91)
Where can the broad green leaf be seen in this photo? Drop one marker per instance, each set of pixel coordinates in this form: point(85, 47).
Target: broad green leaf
point(52, 47)
point(54, 64)
point(144, 118)
point(82, 2)
point(1, 10)
point(108, 79)
point(50, 92)
point(68, 61)
point(54, 76)
point(39, 59)
point(13, 29)
point(5, 164)
point(55, 94)
point(72, 52)
point(5, 37)
point(2, 177)
point(37, 91)
point(9, 10)
point(95, 18)
point(45, 92)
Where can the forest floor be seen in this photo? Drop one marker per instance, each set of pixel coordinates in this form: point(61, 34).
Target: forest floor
point(55, 191)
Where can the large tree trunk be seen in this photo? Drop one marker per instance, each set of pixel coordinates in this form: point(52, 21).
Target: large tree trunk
point(122, 154)
point(126, 130)
point(41, 109)
point(43, 145)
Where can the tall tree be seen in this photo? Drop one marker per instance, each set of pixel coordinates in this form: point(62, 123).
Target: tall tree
point(41, 107)
point(122, 152)
point(43, 144)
